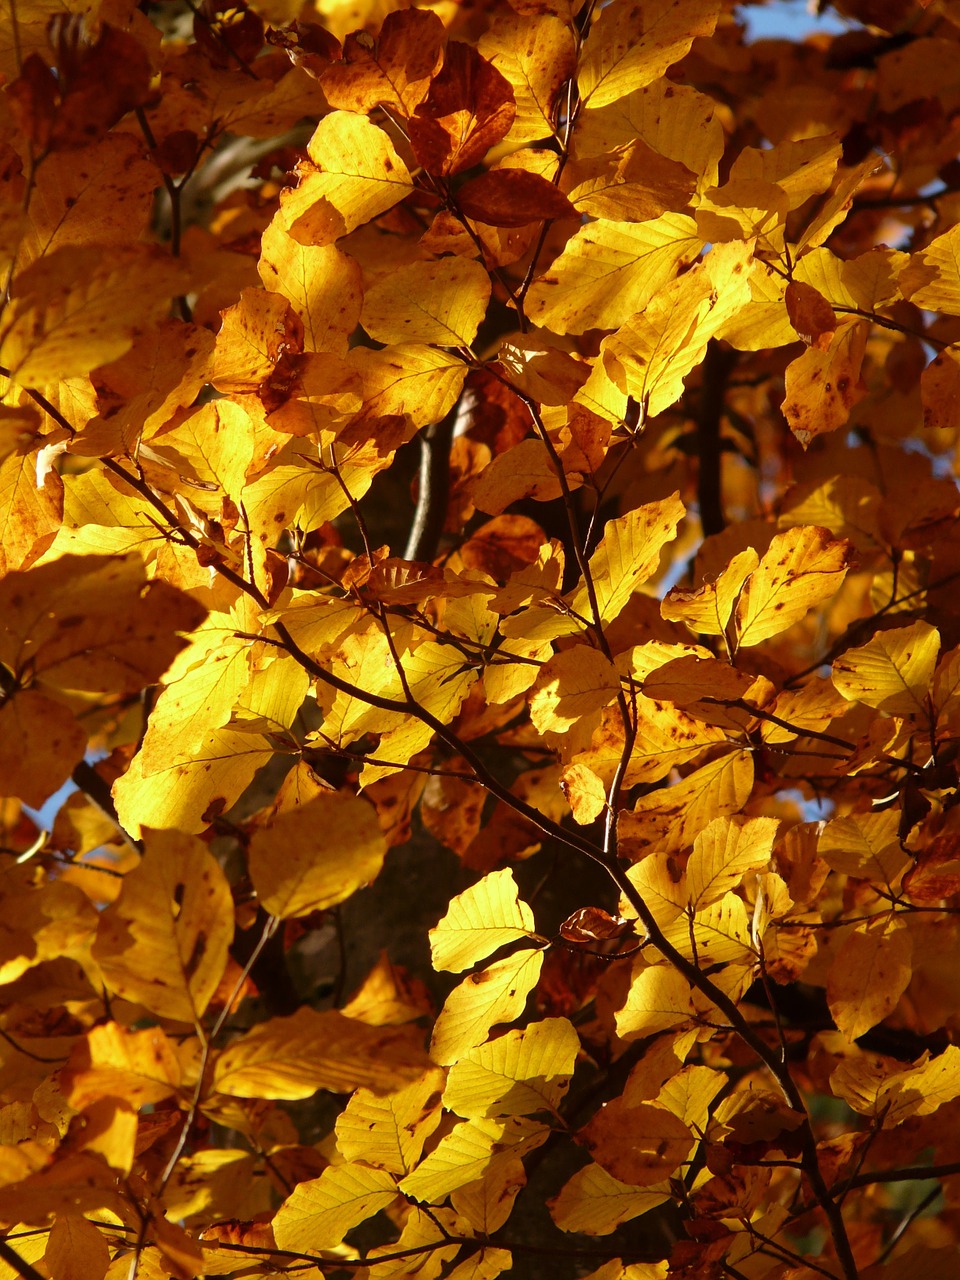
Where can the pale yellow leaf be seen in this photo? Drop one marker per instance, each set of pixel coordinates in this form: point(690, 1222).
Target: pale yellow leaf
point(493, 995)
point(630, 46)
point(353, 174)
point(519, 1073)
point(140, 1066)
point(659, 999)
point(722, 854)
point(609, 270)
point(321, 283)
point(318, 1213)
point(388, 1131)
point(574, 683)
point(628, 554)
point(462, 1156)
point(802, 567)
point(478, 921)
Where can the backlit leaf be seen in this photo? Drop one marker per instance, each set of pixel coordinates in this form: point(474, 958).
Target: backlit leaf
point(440, 302)
point(163, 943)
point(482, 918)
point(519, 1073)
point(319, 1213)
point(492, 995)
point(893, 671)
point(294, 1057)
point(352, 175)
point(316, 855)
point(802, 567)
point(630, 45)
point(388, 1132)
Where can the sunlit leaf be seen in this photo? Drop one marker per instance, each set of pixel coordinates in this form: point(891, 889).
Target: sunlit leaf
point(479, 921)
point(519, 1073)
point(492, 995)
point(163, 943)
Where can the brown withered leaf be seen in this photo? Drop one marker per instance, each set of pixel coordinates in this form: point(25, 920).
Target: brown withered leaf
point(810, 314)
point(512, 198)
point(593, 924)
point(469, 109)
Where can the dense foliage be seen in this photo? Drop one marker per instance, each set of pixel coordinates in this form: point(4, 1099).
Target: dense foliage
point(478, 482)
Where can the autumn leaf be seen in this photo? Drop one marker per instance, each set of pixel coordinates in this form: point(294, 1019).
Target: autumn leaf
point(163, 943)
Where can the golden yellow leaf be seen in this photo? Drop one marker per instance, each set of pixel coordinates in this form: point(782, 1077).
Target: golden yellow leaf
point(294, 1057)
point(649, 356)
point(388, 1131)
point(594, 1203)
point(673, 119)
point(659, 999)
point(689, 1093)
point(318, 1213)
point(661, 882)
point(893, 672)
point(802, 567)
point(718, 934)
point(441, 302)
point(639, 1145)
point(630, 47)
point(671, 818)
point(617, 1270)
point(633, 183)
point(29, 514)
point(321, 283)
point(352, 175)
point(211, 451)
point(488, 1202)
point(865, 845)
point(79, 307)
point(628, 554)
point(519, 1073)
point(706, 609)
point(584, 792)
point(139, 1066)
point(536, 54)
point(462, 1156)
point(574, 683)
point(76, 1250)
point(164, 942)
point(868, 975)
point(931, 277)
point(480, 920)
point(316, 855)
point(408, 378)
point(723, 853)
point(495, 994)
point(486, 1264)
point(823, 386)
point(611, 269)
point(101, 194)
point(187, 794)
